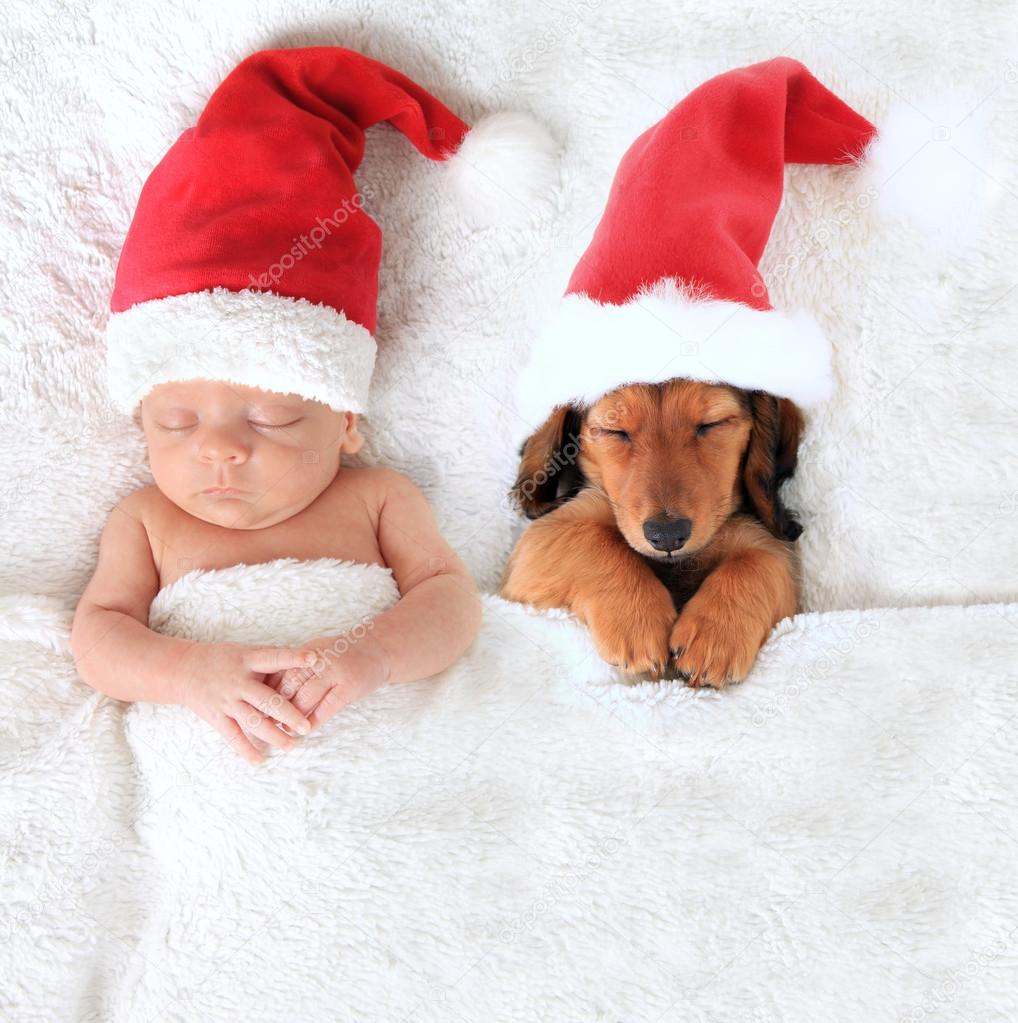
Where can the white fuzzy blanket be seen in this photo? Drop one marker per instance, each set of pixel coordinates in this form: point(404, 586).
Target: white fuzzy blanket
point(524, 838)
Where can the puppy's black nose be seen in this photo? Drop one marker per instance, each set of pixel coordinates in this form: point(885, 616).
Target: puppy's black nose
point(666, 534)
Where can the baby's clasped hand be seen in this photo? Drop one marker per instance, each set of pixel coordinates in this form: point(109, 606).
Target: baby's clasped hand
point(225, 685)
point(343, 669)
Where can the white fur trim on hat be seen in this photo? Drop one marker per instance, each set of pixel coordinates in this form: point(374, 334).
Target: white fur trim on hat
point(588, 349)
point(505, 166)
point(253, 338)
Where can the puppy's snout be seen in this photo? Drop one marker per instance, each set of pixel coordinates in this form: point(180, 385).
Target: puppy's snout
point(667, 534)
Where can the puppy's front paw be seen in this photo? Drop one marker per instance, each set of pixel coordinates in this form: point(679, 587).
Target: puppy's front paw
point(710, 648)
point(631, 630)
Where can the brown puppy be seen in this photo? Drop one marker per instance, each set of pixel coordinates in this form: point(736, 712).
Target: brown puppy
point(660, 499)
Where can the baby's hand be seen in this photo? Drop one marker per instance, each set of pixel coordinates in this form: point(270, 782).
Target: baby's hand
point(341, 672)
point(224, 684)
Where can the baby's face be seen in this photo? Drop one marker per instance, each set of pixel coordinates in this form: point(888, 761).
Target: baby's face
point(278, 451)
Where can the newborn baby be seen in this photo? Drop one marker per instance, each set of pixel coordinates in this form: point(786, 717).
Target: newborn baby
point(243, 320)
point(244, 475)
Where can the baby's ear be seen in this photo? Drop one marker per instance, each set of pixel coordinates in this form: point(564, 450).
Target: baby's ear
point(353, 441)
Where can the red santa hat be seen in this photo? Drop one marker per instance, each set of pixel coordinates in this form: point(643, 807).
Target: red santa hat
point(250, 258)
point(669, 285)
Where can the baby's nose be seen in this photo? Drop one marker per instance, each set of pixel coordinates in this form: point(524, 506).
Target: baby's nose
point(221, 446)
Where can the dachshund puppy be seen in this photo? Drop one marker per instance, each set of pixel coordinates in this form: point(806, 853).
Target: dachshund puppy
point(658, 523)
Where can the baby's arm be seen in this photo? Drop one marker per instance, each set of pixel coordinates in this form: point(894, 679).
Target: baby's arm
point(437, 618)
point(117, 653)
point(439, 614)
point(114, 649)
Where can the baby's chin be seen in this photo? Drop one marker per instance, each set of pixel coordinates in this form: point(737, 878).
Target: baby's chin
point(243, 511)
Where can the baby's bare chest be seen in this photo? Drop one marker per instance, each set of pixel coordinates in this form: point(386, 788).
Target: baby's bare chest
point(334, 528)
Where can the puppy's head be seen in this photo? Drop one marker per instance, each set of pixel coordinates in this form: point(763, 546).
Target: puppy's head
point(675, 460)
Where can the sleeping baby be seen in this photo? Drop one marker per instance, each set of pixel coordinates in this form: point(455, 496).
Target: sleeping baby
point(244, 475)
point(241, 338)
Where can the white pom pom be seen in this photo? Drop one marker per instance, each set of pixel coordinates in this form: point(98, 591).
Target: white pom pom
point(505, 168)
point(930, 163)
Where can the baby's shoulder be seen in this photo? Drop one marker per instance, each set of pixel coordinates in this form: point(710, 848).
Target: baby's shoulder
point(153, 509)
point(143, 502)
point(375, 481)
point(377, 488)
point(138, 502)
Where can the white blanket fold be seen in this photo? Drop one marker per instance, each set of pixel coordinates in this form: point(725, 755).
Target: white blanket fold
point(827, 838)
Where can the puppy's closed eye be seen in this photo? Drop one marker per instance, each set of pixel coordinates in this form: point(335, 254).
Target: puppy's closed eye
point(704, 427)
point(604, 431)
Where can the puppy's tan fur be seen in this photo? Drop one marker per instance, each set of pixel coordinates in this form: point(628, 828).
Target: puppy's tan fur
point(710, 453)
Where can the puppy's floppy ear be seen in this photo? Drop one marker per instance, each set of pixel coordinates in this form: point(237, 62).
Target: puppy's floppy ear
point(549, 472)
point(770, 459)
